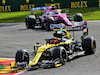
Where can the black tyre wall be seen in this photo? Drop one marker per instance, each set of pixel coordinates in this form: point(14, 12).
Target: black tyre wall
point(89, 45)
point(58, 53)
point(78, 17)
point(22, 56)
point(30, 21)
point(49, 20)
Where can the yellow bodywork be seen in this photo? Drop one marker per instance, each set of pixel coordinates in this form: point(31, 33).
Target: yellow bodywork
point(47, 46)
point(43, 48)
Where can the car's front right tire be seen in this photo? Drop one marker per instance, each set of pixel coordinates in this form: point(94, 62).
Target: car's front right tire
point(60, 52)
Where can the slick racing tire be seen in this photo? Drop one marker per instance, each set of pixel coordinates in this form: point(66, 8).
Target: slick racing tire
point(78, 17)
point(30, 21)
point(22, 56)
point(41, 24)
point(89, 45)
point(48, 21)
point(60, 52)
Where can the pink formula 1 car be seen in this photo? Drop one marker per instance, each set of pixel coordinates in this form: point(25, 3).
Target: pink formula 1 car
point(53, 18)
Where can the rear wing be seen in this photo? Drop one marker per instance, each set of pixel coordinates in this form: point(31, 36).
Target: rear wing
point(37, 9)
point(82, 28)
point(72, 28)
point(75, 28)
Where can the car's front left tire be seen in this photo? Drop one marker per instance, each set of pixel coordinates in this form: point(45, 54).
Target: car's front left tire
point(30, 21)
point(22, 56)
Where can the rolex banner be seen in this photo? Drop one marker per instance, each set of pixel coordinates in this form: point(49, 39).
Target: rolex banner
point(26, 5)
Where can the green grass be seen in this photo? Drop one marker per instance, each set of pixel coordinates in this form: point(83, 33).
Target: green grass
point(92, 13)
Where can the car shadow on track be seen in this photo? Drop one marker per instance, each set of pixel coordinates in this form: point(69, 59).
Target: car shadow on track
point(77, 57)
point(36, 29)
point(7, 24)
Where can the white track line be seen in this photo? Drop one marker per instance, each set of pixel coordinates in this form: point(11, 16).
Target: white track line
point(20, 72)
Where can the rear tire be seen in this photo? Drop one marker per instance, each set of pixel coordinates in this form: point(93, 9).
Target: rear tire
point(30, 21)
point(78, 17)
point(22, 56)
point(89, 45)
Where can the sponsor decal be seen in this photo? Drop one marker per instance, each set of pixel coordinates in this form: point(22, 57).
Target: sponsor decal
point(52, 26)
point(79, 4)
point(39, 8)
point(27, 1)
point(54, 4)
point(99, 3)
point(78, 23)
point(3, 2)
point(52, 0)
point(74, 28)
point(5, 8)
point(26, 7)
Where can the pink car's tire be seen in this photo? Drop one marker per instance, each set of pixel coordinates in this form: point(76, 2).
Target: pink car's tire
point(78, 17)
point(41, 23)
point(48, 26)
point(48, 21)
point(30, 21)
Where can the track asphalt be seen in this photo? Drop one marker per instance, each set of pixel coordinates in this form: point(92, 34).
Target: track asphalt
point(15, 36)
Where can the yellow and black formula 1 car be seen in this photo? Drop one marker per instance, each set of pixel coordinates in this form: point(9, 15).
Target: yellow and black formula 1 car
point(57, 50)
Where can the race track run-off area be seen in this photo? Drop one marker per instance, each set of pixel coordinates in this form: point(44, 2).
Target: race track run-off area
point(15, 36)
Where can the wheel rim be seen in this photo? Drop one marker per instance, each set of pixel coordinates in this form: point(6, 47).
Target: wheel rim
point(94, 44)
point(63, 57)
point(26, 57)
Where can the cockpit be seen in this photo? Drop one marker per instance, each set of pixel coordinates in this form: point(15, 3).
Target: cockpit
point(53, 40)
point(52, 13)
